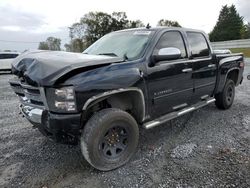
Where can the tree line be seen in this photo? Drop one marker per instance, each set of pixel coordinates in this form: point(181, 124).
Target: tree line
point(92, 26)
point(230, 26)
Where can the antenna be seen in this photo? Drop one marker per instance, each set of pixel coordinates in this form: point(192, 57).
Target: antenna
point(148, 26)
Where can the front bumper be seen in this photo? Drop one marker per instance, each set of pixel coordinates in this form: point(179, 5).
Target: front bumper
point(63, 128)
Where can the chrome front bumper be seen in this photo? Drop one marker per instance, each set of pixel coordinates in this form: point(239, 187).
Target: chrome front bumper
point(33, 100)
point(32, 114)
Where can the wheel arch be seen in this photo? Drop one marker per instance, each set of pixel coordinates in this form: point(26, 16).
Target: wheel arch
point(125, 99)
point(232, 73)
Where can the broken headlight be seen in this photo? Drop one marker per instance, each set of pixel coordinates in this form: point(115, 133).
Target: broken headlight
point(61, 99)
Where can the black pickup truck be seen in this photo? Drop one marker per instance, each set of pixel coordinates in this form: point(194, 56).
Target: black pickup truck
point(126, 80)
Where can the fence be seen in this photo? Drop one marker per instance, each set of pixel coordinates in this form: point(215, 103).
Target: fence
point(245, 43)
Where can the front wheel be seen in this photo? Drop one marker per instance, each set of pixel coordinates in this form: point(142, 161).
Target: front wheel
point(224, 100)
point(109, 139)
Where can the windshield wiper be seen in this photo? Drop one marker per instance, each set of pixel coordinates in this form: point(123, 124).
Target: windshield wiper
point(109, 54)
point(125, 57)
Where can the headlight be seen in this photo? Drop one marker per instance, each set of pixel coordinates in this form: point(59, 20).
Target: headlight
point(61, 99)
point(66, 93)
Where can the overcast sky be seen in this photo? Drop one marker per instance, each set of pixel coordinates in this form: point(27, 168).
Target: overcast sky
point(31, 21)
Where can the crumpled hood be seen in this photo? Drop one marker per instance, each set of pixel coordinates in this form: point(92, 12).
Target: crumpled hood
point(44, 68)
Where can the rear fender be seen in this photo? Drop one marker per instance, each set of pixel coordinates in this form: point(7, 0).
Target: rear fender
point(226, 66)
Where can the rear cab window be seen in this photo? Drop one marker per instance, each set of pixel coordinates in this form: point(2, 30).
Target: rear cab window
point(198, 45)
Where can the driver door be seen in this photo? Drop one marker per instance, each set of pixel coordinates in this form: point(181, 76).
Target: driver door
point(170, 83)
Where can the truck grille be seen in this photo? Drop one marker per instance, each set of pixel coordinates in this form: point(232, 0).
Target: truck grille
point(29, 95)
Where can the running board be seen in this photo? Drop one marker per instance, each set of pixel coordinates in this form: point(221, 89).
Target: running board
point(176, 114)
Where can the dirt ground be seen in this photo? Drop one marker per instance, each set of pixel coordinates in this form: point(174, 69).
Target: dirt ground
point(207, 148)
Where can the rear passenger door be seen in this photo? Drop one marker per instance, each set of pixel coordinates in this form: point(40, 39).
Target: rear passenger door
point(204, 66)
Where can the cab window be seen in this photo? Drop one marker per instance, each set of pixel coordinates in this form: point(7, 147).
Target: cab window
point(198, 45)
point(171, 39)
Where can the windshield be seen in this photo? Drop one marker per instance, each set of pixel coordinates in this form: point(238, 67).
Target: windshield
point(126, 44)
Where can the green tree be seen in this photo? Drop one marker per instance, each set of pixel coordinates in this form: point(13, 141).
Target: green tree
point(76, 34)
point(51, 43)
point(75, 45)
point(97, 24)
point(168, 23)
point(248, 31)
point(135, 24)
point(229, 25)
point(245, 33)
point(119, 21)
point(43, 46)
point(77, 31)
point(94, 25)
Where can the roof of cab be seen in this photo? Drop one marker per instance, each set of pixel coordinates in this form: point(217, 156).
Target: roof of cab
point(161, 28)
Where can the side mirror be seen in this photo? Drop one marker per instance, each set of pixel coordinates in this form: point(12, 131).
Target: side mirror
point(165, 54)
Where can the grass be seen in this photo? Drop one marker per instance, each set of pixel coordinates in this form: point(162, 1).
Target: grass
point(245, 51)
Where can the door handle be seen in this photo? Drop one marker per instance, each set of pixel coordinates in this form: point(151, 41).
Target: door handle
point(211, 66)
point(187, 70)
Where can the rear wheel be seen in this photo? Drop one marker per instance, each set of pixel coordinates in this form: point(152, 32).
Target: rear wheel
point(109, 139)
point(224, 100)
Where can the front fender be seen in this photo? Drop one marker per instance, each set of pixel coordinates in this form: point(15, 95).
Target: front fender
point(95, 82)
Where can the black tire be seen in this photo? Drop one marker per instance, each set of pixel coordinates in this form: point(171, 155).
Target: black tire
point(109, 139)
point(224, 100)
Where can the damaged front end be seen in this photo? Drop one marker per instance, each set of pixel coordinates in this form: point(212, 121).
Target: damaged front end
point(46, 101)
point(61, 128)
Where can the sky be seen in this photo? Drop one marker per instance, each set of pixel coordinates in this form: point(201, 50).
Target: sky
point(24, 23)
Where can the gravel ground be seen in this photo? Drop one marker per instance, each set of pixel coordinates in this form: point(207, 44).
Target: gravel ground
point(207, 148)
